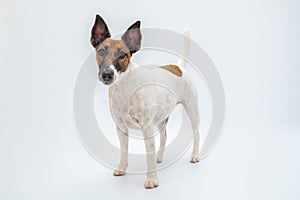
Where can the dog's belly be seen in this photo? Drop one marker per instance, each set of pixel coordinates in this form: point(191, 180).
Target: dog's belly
point(145, 107)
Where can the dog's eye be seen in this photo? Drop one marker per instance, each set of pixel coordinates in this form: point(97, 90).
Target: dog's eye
point(122, 55)
point(101, 52)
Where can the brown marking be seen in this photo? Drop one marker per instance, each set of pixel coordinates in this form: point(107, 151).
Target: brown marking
point(173, 69)
point(109, 51)
point(112, 49)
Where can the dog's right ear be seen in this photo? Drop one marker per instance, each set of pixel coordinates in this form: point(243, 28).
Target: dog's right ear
point(99, 32)
point(132, 37)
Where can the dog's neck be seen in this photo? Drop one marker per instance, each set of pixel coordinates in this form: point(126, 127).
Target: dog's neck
point(130, 67)
point(112, 87)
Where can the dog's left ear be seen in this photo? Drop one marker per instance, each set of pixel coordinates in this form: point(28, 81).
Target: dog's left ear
point(132, 37)
point(99, 31)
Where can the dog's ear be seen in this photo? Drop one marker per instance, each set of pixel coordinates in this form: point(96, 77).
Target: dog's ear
point(132, 37)
point(99, 32)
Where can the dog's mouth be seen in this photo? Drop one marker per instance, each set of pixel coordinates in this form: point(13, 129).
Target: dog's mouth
point(107, 82)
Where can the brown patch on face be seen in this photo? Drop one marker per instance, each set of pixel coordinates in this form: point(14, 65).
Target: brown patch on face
point(113, 52)
point(173, 69)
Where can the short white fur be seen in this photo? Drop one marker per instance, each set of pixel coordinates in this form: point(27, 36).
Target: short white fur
point(135, 112)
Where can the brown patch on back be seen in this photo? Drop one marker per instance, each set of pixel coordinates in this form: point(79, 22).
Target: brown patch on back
point(173, 69)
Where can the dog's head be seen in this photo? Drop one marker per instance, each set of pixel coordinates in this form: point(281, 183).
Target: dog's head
point(113, 56)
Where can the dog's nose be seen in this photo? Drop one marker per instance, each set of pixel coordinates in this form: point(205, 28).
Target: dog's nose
point(107, 75)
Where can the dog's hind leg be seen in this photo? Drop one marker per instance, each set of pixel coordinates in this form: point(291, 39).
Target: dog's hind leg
point(163, 137)
point(123, 138)
point(191, 107)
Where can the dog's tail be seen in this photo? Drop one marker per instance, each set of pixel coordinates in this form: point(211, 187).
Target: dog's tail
point(186, 46)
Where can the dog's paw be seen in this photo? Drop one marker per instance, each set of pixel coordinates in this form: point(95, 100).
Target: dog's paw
point(151, 183)
point(159, 157)
point(118, 172)
point(195, 158)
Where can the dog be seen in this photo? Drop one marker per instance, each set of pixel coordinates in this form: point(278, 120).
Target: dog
point(133, 108)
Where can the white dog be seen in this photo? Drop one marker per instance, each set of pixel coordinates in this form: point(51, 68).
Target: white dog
point(142, 98)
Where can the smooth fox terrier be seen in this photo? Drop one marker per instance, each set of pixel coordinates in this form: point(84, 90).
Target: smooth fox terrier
point(115, 70)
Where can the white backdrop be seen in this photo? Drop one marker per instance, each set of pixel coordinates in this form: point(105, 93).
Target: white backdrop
point(254, 45)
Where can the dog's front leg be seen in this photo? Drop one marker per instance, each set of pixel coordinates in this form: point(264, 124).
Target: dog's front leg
point(151, 181)
point(123, 138)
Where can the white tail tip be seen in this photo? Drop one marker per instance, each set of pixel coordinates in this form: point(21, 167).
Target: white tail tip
point(186, 46)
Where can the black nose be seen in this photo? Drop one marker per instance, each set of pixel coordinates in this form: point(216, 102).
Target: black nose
point(107, 75)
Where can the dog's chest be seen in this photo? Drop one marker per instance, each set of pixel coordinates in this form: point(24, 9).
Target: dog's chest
point(137, 103)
